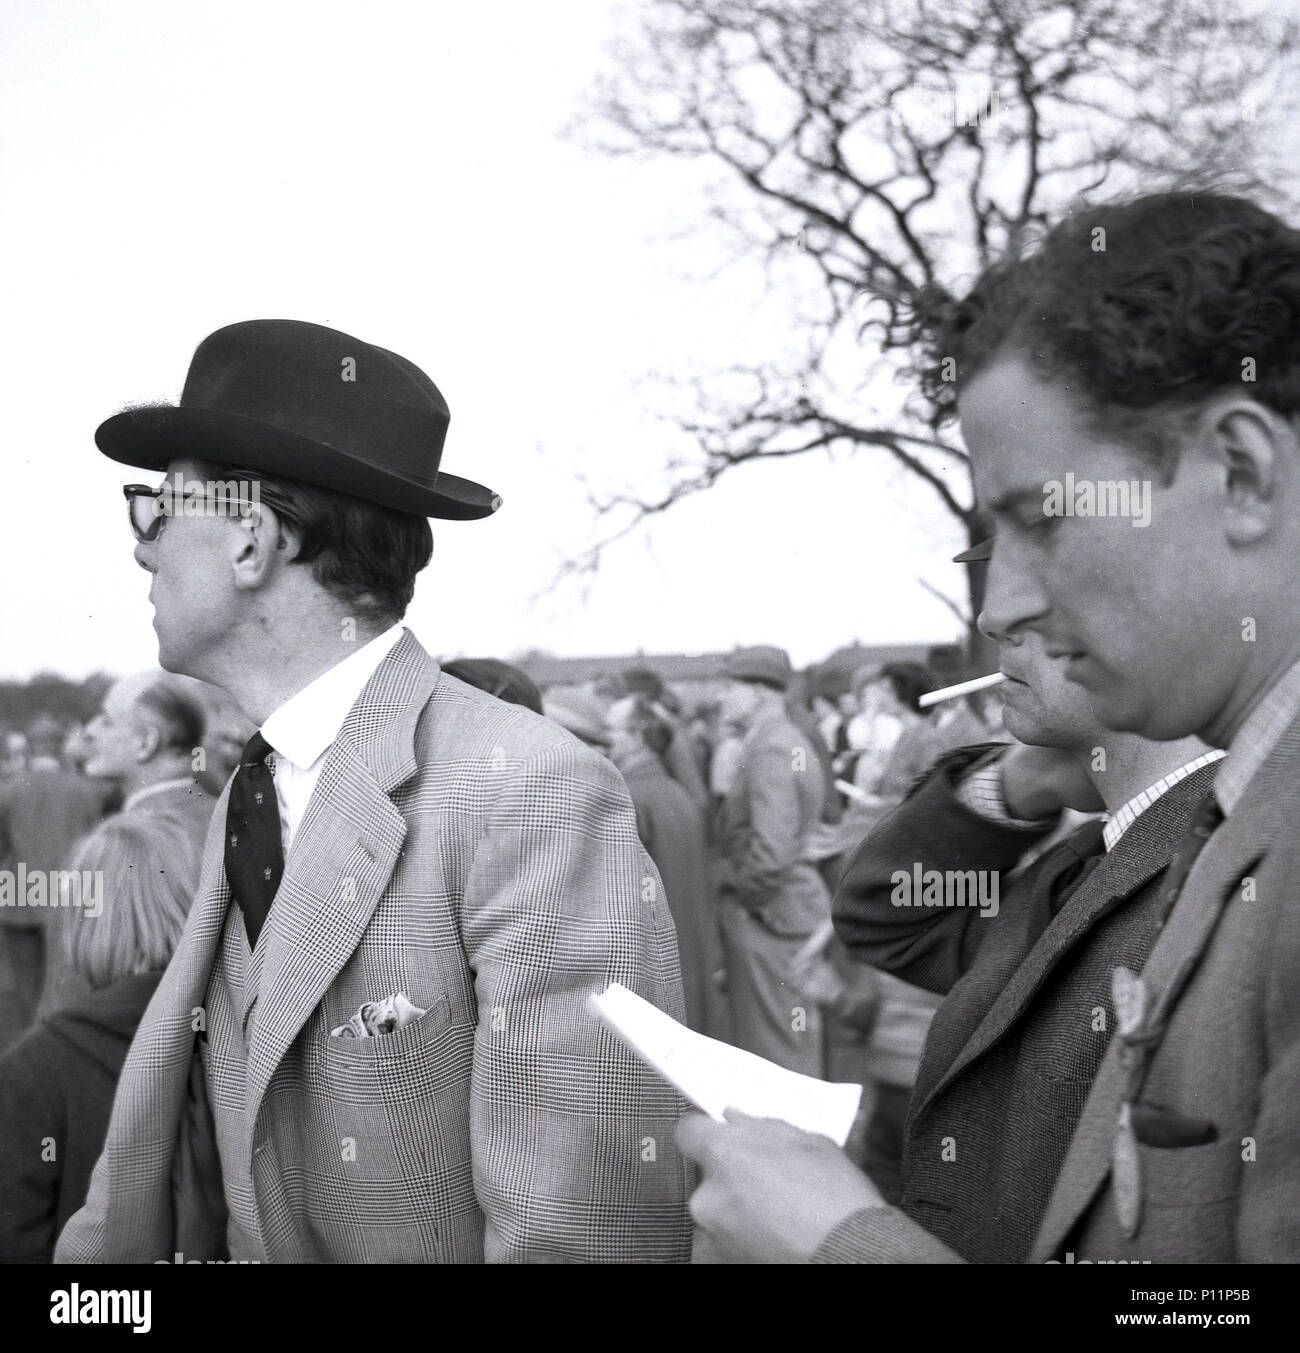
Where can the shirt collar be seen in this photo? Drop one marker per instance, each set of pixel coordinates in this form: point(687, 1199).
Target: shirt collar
point(1120, 821)
point(306, 724)
point(1257, 736)
point(161, 787)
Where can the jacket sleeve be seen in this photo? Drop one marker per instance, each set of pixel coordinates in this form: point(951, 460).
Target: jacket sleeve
point(930, 947)
point(1268, 1231)
point(883, 1235)
point(32, 1119)
point(773, 842)
point(572, 1135)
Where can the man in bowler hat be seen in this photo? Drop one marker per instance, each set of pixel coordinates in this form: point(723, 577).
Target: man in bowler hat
point(409, 887)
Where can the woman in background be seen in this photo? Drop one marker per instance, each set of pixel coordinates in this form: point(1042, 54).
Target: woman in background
point(57, 1082)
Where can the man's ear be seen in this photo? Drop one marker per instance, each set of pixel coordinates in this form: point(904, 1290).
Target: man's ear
point(148, 741)
point(258, 546)
point(1254, 448)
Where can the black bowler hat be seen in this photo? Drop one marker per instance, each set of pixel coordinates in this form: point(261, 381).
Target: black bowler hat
point(984, 550)
point(309, 403)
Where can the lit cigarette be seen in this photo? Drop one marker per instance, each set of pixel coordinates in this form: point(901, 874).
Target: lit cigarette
point(961, 688)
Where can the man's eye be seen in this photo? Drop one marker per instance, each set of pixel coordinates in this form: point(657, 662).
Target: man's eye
point(1039, 523)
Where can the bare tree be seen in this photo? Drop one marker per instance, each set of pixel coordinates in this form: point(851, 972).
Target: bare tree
point(877, 152)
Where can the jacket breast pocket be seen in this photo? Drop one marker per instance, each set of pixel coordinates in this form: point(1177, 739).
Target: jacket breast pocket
point(1179, 1177)
point(410, 1063)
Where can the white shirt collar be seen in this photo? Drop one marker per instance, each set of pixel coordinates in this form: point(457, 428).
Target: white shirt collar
point(161, 787)
point(1118, 823)
point(303, 728)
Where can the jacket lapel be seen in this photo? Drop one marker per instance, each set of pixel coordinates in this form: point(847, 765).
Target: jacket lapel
point(1140, 854)
point(152, 1089)
point(342, 856)
point(964, 1014)
point(1233, 851)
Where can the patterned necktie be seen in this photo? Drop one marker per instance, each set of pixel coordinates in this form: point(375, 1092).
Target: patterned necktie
point(1142, 1020)
point(254, 856)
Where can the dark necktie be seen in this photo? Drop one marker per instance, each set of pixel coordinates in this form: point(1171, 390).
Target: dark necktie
point(254, 857)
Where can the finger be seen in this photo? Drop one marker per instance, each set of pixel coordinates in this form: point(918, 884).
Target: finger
point(737, 1117)
point(705, 1249)
point(696, 1134)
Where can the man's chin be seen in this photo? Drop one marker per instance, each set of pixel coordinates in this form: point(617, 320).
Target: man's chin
point(1122, 710)
point(1024, 727)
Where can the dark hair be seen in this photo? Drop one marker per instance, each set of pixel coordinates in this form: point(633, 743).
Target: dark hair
point(655, 732)
point(909, 681)
point(181, 720)
point(362, 554)
point(497, 678)
point(643, 681)
point(1147, 307)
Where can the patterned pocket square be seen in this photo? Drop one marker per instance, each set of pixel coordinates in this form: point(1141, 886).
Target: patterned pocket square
point(379, 1017)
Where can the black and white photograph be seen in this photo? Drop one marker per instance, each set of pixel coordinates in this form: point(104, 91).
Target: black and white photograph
point(650, 633)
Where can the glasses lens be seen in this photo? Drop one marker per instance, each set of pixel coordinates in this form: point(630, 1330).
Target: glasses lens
point(143, 506)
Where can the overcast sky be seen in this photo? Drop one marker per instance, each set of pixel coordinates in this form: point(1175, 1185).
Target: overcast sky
point(398, 171)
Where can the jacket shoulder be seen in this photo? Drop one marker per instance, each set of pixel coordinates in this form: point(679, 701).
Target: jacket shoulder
point(461, 721)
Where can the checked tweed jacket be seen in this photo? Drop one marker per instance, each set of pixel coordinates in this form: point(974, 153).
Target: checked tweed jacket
point(480, 859)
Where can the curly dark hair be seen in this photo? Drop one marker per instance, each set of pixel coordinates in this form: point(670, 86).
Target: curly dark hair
point(1146, 308)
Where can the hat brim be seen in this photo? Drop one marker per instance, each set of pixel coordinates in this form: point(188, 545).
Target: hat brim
point(151, 438)
point(982, 551)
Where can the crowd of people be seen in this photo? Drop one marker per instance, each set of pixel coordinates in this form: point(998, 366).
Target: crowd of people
point(746, 797)
point(315, 987)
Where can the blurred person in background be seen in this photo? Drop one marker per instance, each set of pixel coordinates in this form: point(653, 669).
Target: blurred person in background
point(226, 730)
point(76, 748)
point(498, 678)
point(14, 754)
point(44, 811)
point(580, 712)
point(871, 728)
point(679, 756)
point(830, 721)
point(724, 763)
point(894, 695)
point(772, 897)
point(672, 828)
point(141, 745)
point(801, 715)
point(57, 1082)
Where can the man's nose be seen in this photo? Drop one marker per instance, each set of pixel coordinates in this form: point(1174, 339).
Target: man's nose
point(143, 554)
point(1014, 596)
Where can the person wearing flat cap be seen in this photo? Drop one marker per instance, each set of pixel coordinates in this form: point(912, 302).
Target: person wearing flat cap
point(772, 896)
point(378, 1007)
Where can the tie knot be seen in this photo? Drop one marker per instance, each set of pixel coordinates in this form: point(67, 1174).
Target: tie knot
point(255, 750)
